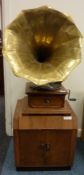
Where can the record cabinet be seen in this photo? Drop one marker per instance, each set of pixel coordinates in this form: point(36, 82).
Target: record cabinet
point(44, 131)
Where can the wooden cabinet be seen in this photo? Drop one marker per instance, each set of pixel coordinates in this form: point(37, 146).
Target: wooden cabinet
point(45, 148)
point(44, 140)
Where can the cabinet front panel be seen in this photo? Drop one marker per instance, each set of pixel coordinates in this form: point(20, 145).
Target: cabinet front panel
point(44, 148)
point(46, 100)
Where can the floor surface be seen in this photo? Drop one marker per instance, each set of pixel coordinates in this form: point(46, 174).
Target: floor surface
point(4, 139)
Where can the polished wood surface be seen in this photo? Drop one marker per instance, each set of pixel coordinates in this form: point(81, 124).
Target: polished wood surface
point(43, 121)
point(17, 115)
point(47, 122)
point(27, 110)
point(44, 148)
point(44, 140)
point(47, 98)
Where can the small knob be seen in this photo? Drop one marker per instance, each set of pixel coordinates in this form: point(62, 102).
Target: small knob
point(47, 100)
point(45, 146)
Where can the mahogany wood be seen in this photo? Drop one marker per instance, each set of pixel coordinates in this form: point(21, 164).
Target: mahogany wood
point(43, 141)
point(44, 148)
point(27, 110)
point(48, 98)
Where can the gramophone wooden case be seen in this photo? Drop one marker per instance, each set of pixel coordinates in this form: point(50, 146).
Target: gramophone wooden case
point(43, 139)
point(38, 99)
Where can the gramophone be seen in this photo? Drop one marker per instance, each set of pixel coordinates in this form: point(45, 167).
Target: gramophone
point(43, 46)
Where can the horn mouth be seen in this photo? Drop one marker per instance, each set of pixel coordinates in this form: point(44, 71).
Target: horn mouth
point(42, 53)
point(42, 45)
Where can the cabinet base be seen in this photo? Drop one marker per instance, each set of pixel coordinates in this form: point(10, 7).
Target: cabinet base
point(44, 142)
point(43, 168)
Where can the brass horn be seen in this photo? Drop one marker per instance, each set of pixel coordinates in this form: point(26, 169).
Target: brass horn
point(42, 45)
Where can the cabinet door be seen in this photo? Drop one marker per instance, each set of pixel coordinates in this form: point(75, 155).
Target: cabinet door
point(59, 152)
point(44, 148)
point(30, 151)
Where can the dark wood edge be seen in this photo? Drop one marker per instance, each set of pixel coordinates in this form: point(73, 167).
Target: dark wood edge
point(72, 148)
point(16, 147)
point(17, 114)
point(29, 90)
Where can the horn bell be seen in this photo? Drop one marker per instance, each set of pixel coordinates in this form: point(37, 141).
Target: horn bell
point(42, 45)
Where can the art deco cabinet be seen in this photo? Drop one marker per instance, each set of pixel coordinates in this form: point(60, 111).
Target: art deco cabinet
point(45, 130)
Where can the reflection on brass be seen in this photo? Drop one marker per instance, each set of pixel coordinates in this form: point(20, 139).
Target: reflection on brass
point(42, 45)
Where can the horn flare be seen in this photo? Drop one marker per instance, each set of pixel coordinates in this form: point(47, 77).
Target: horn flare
point(42, 45)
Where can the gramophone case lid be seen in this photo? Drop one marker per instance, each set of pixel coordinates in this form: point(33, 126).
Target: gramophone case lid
point(42, 45)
